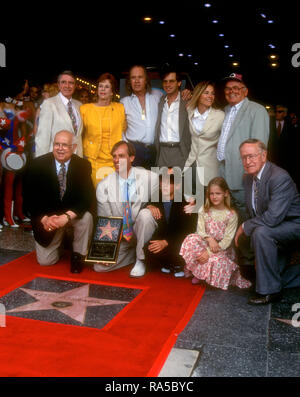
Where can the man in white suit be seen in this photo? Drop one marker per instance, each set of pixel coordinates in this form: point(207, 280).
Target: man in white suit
point(58, 113)
point(142, 186)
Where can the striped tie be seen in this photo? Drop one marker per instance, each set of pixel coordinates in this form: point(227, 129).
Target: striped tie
point(72, 116)
point(127, 218)
point(62, 180)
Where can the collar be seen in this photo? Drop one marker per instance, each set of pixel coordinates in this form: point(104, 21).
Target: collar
point(238, 105)
point(130, 178)
point(64, 99)
point(175, 100)
point(197, 114)
point(58, 164)
point(258, 176)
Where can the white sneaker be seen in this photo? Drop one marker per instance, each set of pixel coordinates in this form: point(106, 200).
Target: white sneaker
point(138, 270)
point(1, 227)
point(165, 270)
point(179, 274)
point(5, 223)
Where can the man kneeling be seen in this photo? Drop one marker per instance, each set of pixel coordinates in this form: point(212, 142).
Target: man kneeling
point(126, 193)
point(58, 191)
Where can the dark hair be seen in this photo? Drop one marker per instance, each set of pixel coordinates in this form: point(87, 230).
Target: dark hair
point(148, 81)
point(165, 72)
point(130, 148)
point(68, 72)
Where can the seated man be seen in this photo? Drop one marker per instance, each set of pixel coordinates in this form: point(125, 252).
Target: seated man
point(273, 203)
point(126, 193)
point(58, 191)
point(173, 226)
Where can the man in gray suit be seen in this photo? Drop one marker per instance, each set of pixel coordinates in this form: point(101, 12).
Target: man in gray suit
point(273, 204)
point(58, 113)
point(136, 186)
point(172, 134)
point(244, 119)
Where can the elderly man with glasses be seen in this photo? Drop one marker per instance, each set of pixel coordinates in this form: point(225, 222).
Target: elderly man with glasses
point(273, 223)
point(58, 192)
point(243, 119)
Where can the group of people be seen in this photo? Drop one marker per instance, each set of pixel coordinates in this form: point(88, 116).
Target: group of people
point(193, 184)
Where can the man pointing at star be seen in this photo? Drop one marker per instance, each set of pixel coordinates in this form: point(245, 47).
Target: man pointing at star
point(58, 192)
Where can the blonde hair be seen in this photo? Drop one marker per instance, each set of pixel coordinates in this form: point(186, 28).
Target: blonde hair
point(198, 91)
point(222, 184)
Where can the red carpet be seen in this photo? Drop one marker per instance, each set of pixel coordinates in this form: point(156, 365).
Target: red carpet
point(135, 343)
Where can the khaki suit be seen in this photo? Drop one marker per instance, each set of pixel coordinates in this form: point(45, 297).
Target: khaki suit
point(54, 118)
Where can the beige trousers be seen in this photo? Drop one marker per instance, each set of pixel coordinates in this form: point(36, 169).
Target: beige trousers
point(83, 229)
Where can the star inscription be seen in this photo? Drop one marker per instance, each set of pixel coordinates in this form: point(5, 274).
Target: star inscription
point(72, 303)
point(107, 230)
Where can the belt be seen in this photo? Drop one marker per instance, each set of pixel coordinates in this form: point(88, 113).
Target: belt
point(169, 144)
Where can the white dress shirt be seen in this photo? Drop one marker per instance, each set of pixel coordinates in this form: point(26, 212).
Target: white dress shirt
point(58, 165)
point(228, 121)
point(169, 127)
point(198, 120)
point(141, 127)
point(131, 186)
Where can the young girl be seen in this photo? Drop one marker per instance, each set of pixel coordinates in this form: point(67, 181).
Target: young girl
point(208, 253)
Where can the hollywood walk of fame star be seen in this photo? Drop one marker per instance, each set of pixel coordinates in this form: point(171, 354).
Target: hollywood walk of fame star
point(107, 230)
point(72, 303)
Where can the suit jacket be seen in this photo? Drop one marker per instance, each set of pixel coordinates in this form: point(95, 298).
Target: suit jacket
point(204, 145)
point(251, 121)
point(108, 195)
point(278, 199)
point(54, 118)
point(41, 192)
point(184, 133)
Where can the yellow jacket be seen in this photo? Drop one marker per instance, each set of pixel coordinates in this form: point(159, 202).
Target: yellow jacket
point(92, 133)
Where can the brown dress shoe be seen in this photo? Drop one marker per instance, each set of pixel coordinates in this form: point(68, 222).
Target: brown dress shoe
point(259, 299)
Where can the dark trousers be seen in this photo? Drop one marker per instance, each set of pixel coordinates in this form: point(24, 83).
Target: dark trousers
point(168, 258)
point(270, 247)
point(145, 155)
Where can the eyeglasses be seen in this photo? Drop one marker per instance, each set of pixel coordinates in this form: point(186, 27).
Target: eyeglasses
point(64, 146)
point(250, 156)
point(235, 88)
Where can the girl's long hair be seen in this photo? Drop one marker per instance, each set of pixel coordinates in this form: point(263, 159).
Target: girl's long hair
point(218, 181)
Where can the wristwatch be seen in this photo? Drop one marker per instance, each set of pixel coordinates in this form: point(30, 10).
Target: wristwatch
point(68, 216)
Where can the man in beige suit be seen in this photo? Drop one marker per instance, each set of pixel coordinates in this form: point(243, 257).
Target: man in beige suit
point(58, 113)
point(142, 186)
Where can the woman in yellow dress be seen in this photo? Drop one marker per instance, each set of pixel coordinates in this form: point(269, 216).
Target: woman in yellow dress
point(103, 123)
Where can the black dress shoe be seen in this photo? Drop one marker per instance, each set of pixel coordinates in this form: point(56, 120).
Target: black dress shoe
point(259, 299)
point(76, 263)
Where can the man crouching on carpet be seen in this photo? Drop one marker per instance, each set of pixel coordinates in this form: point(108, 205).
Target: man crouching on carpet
point(58, 192)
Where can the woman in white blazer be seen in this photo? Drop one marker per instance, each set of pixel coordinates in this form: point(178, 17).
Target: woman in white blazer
point(205, 126)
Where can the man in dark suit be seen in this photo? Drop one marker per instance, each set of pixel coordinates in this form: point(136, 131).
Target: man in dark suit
point(172, 133)
point(273, 203)
point(58, 191)
point(174, 224)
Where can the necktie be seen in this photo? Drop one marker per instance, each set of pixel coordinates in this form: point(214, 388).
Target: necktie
point(127, 218)
point(72, 116)
point(62, 180)
point(256, 189)
point(279, 128)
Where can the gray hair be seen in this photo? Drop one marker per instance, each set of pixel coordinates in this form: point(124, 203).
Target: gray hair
point(252, 141)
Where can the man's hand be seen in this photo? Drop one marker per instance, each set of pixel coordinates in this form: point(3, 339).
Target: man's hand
point(186, 95)
point(203, 257)
point(54, 222)
point(157, 246)
point(238, 233)
point(154, 211)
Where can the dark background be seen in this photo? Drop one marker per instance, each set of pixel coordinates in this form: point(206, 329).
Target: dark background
point(93, 38)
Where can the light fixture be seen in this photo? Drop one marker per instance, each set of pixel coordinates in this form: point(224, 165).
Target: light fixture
point(263, 15)
point(235, 64)
point(271, 46)
point(215, 21)
point(172, 35)
point(221, 35)
point(189, 55)
point(226, 46)
point(230, 55)
point(196, 63)
point(161, 22)
point(207, 5)
point(180, 55)
point(274, 65)
point(270, 21)
point(147, 19)
point(273, 57)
